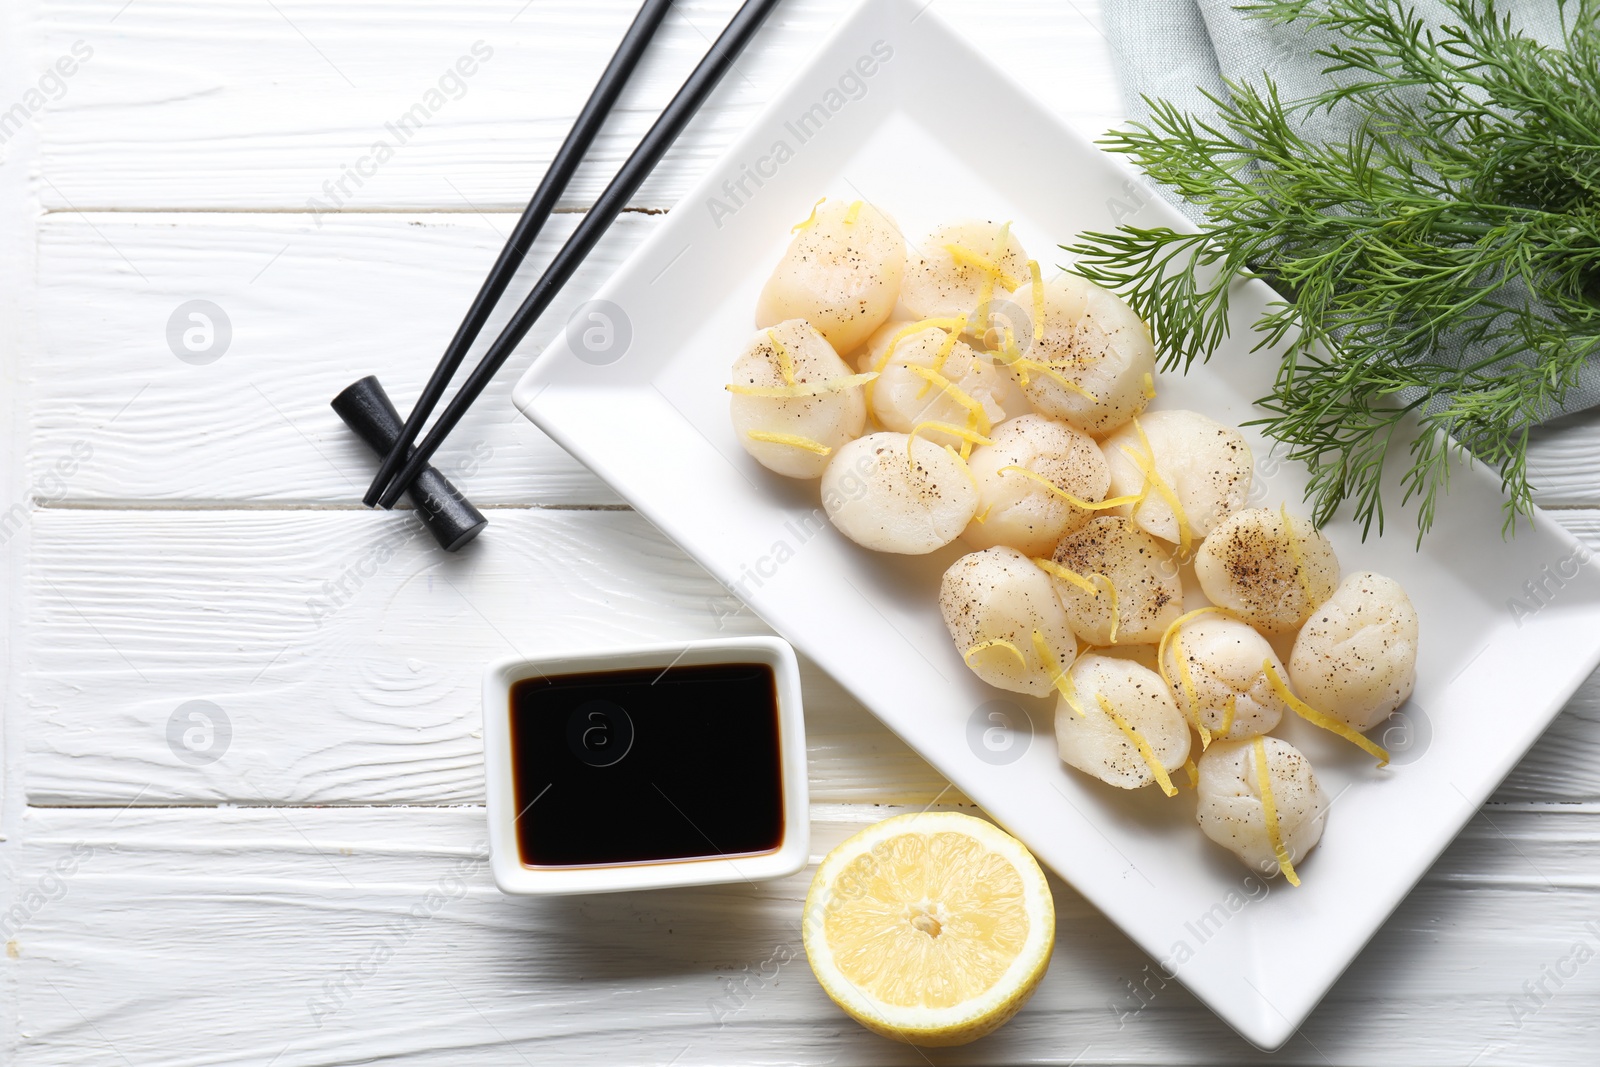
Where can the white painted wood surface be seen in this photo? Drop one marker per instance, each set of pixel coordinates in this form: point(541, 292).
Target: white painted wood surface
point(209, 546)
point(282, 936)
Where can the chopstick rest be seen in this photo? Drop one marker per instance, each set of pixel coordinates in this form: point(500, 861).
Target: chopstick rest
point(449, 515)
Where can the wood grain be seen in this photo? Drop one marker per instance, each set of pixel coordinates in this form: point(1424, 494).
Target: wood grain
point(186, 557)
point(1564, 461)
point(312, 308)
point(320, 904)
point(188, 104)
point(18, 222)
point(346, 651)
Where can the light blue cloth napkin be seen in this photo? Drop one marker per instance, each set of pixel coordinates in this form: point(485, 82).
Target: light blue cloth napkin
point(1171, 49)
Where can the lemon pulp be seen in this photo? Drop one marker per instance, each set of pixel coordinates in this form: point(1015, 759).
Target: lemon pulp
point(933, 928)
point(938, 922)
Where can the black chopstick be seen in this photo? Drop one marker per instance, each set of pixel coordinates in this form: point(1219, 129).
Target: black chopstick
point(555, 181)
point(629, 177)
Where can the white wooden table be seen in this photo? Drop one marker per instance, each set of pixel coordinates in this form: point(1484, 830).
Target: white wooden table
point(306, 886)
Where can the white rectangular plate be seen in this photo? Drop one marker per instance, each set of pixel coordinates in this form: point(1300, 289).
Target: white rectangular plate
point(935, 132)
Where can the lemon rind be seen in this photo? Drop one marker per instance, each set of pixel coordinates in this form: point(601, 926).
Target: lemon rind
point(936, 1026)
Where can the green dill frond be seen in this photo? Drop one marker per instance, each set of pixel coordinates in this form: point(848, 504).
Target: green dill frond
point(1441, 263)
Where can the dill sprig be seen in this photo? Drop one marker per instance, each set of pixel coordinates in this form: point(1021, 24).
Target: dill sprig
point(1440, 264)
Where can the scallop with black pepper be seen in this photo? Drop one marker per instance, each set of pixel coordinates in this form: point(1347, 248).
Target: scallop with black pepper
point(1269, 567)
point(1136, 589)
point(1032, 483)
point(1356, 657)
point(794, 400)
point(962, 269)
point(1190, 472)
point(1260, 800)
point(1006, 621)
point(1217, 667)
point(841, 273)
point(895, 493)
point(1085, 356)
point(1116, 721)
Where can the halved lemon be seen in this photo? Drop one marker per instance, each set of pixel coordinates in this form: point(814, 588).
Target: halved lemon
point(933, 928)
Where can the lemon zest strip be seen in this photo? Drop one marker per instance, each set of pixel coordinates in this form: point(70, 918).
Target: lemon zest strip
point(1072, 361)
point(810, 219)
point(949, 344)
point(798, 389)
point(1009, 355)
point(793, 440)
point(852, 213)
point(1038, 298)
point(1229, 710)
point(1050, 372)
point(1070, 692)
point(992, 270)
point(1058, 673)
point(1317, 718)
point(1077, 502)
point(1192, 771)
point(998, 642)
point(785, 361)
point(1269, 807)
point(1139, 743)
point(1051, 567)
point(978, 418)
point(1116, 616)
point(1296, 556)
point(1066, 574)
point(1191, 697)
point(997, 256)
point(970, 437)
point(1170, 636)
point(958, 323)
point(1149, 386)
point(1153, 480)
point(961, 459)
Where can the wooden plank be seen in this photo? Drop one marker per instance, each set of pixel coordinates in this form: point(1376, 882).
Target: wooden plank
point(135, 953)
point(376, 935)
point(118, 416)
point(346, 651)
point(311, 309)
point(1564, 461)
point(195, 105)
point(19, 216)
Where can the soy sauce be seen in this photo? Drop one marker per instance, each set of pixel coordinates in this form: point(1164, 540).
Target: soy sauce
point(639, 765)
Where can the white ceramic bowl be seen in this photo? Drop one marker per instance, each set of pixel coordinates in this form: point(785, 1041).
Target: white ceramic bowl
point(514, 876)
